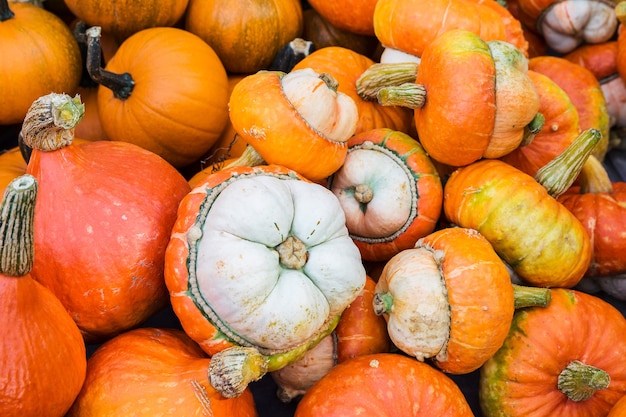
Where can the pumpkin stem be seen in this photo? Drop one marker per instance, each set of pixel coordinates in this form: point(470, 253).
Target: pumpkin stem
point(121, 84)
point(363, 193)
point(290, 54)
point(620, 12)
point(232, 369)
point(385, 75)
point(559, 174)
point(80, 35)
point(528, 296)
point(409, 95)
point(579, 381)
point(248, 158)
point(292, 253)
point(593, 177)
point(50, 121)
point(532, 128)
point(5, 12)
point(16, 226)
point(382, 303)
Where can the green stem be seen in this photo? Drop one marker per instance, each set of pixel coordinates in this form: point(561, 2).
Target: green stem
point(382, 303)
point(409, 95)
point(248, 158)
point(17, 214)
point(120, 84)
point(527, 296)
point(579, 381)
point(559, 174)
point(532, 128)
point(382, 75)
point(5, 11)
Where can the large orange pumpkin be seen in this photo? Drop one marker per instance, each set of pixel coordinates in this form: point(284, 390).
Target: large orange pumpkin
point(356, 16)
point(245, 34)
point(39, 55)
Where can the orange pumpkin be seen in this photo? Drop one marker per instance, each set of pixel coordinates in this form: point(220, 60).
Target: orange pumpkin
point(122, 18)
point(584, 91)
point(39, 55)
point(245, 35)
point(40, 342)
point(163, 364)
point(618, 409)
point(104, 257)
point(164, 90)
point(13, 165)
point(544, 368)
point(384, 385)
point(346, 66)
point(356, 16)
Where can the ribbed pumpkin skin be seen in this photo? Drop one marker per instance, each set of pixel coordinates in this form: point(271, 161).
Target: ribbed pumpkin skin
point(122, 18)
point(560, 129)
point(346, 66)
point(39, 55)
point(521, 378)
point(552, 247)
point(101, 247)
point(384, 385)
point(618, 409)
point(603, 215)
point(246, 34)
point(153, 372)
point(179, 105)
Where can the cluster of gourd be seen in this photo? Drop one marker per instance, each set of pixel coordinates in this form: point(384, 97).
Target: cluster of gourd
point(355, 198)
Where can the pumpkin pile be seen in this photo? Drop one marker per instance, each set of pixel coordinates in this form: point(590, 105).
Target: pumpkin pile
point(294, 208)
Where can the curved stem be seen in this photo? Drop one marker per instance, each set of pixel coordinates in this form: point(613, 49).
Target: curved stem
point(532, 128)
point(409, 95)
point(248, 158)
point(382, 303)
point(382, 75)
point(527, 296)
point(121, 84)
point(559, 174)
point(579, 381)
point(17, 214)
point(5, 11)
point(80, 35)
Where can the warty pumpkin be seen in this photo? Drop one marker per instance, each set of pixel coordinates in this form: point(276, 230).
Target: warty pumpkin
point(306, 128)
point(153, 371)
point(346, 66)
point(39, 55)
point(259, 268)
point(122, 18)
point(439, 303)
point(164, 90)
point(384, 385)
point(564, 359)
point(246, 35)
point(472, 99)
point(104, 256)
point(40, 341)
point(389, 190)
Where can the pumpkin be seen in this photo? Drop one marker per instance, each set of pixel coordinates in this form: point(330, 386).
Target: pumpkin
point(104, 257)
point(619, 408)
point(620, 13)
point(346, 66)
point(601, 60)
point(483, 84)
point(558, 129)
point(541, 240)
point(384, 385)
point(390, 192)
point(410, 26)
point(40, 341)
point(565, 25)
point(543, 368)
point(360, 331)
point(123, 18)
point(600, 205)
point(438, 300)
point(259, 268)
point(40, 55)
point(246, 35)
point(306, 127)
point(350, 15)
point(164, 90)
point(124, 373)
point(584, 91)
point(13, 165)
point(322, 33)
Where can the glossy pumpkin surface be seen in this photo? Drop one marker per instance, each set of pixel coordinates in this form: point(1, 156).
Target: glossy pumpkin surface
point(385, 385)
point(44, 57)
point(164, 365)
point(522, 378)
point(356, 16)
